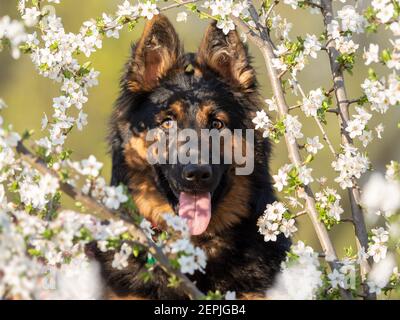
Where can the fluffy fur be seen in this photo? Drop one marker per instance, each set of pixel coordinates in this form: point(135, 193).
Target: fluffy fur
point(220, 83)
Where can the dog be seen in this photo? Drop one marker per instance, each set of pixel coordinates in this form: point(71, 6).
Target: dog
point(214, 88)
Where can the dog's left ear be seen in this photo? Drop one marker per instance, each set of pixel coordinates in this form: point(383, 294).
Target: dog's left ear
point(157, 54)
point(226, 56)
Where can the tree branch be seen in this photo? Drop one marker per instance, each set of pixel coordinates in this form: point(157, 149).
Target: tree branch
point(264, 43)
point(343, 104)
point(102, 212)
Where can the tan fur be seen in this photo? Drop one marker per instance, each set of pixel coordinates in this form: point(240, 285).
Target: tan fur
point(233, 207)
point(157, 53)
point(228, 58)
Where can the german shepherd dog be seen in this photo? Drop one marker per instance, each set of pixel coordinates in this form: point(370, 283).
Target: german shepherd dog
point(214, 88)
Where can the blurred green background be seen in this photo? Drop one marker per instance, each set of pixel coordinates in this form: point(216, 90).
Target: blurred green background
point(28, 95)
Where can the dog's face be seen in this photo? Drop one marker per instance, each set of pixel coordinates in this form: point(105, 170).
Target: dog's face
point(170, 92)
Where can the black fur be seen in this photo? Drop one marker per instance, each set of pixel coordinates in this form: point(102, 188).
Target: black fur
point(245, 263)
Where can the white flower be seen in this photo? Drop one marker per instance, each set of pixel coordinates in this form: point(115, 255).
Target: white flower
point(31, 16)
point(62, 103)
point(177, 223)
point(377, 251)
point(378, 248)
point(112, 27)
point(385, 13)
point(379, 4)
point(281, 178)
point(335, 210)
point(181, 16)
point(9, 138)
point(336, 278)
point(300, 279)
point(126, 9)
point(182, 245)
point(395, 28)
point(366, 137)
point(82, 120)
point(350, 164)
point(226, 26)
point(392, 171)
point(120, 260)
point(278, 64)
point(275, 211)
point(351, 20)
point(345, 45)
point(372, 55)
point(272, 223)
point(287, 227)
point(293, 3)
point(91, 167)
point(187, 264)
point(114, 197)
point(146, 226)
point(314, 102)
point(379, 129)
point(305, 175)
point(12, 30)
point(149, 9)
point(333, 29)
point(381, 272)
point(262, 121)
point(311, 45)
point(271, 103)
point(381, 195)
point(269, 231)
point(355, 128)
point(293, 128)
point(313, 145)
point(230, 295)
point(44, 122)
point(48, 184)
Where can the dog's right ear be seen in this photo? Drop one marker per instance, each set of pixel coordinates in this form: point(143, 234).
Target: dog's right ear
point(157, 54)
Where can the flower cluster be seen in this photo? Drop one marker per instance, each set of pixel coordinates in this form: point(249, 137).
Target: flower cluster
point(275, 220)
point(378, 247)
point(30, 247)
point(345, 276)
point(313, 102)
point(12, 33)
point(328, 206)
point(350, 164)
point(300, 277)
point(189, 257)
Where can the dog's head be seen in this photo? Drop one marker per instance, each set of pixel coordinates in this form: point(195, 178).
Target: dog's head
point(166, 90)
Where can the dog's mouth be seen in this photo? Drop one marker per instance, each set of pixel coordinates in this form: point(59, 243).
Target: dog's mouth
point(194, 205)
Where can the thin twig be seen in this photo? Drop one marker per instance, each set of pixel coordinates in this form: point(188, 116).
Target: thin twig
point(325, 136)
point(319, 124)
point(102, 212)
point(178, 4)
point(296, 106)
point(271, 8)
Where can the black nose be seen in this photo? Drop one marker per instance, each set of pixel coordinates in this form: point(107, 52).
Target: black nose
point(197, 173)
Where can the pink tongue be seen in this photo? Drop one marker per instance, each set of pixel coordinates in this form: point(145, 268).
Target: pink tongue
point(196, 209)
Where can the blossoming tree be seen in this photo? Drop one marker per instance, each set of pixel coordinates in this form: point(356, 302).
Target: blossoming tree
point(39, 237)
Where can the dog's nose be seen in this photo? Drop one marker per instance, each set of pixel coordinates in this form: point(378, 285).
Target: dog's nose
point(197, 173)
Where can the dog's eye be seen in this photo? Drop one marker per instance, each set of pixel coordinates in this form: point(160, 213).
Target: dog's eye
point(217, 124)
point(167, 123)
